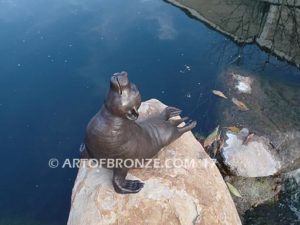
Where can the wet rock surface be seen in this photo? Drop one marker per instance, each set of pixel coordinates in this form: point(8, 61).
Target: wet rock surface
point(249, 160)
point(285, 211)
point(255, 191)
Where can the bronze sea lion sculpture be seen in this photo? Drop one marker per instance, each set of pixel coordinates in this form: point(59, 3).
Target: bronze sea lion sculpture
point(115, 133)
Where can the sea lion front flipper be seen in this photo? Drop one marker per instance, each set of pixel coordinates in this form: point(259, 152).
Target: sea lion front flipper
point(123, 186)
point(178, 121)
point(187, 127)
point(172, 112)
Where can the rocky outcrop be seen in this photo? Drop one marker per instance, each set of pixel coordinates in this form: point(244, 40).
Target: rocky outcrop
point(185, 194)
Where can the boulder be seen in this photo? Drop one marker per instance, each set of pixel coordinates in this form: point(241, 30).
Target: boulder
point(194, 194)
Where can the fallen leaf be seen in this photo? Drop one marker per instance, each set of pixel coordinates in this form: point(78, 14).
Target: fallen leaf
point(219, 93)
point(248, 139)
point(212, 137)
point(233, 190)
point(241, 105)
point(233, 129)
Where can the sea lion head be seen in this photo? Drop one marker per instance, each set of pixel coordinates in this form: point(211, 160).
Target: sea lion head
point(123, 99)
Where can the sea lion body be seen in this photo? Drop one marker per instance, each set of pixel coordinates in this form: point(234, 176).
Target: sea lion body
point(110, 137)
point(115, 133)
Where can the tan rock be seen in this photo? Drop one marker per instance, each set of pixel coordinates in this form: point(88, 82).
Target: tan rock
point(194, 194)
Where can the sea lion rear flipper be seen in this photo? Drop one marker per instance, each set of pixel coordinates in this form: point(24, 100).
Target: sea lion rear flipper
point(123, 186)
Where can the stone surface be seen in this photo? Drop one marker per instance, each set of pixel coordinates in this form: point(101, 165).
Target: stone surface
point(243, 83)
point(179, 195)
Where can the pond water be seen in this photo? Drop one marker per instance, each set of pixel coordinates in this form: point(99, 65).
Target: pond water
point(56, 60)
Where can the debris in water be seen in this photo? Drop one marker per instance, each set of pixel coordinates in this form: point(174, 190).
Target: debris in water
point(186, 69)
point(233, 129)
point(233, 190)
point(240, 104)
point(219, 93)
point(212, 137)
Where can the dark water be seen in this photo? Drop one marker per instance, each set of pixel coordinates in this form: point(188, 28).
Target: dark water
point(56, 60)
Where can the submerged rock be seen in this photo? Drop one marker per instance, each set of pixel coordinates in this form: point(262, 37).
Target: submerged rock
point(285, 210)
point(177, 195)
point(243, 84)
point(254, 191)
point(249, 160)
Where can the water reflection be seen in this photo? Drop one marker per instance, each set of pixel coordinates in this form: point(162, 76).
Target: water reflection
point(274, 27)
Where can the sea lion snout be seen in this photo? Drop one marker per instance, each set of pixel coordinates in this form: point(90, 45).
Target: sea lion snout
point(119, 81)
point(123, 98)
